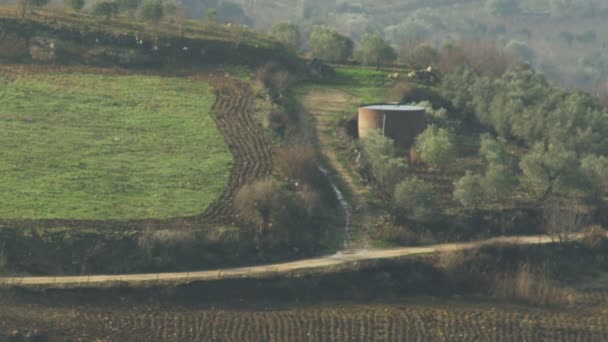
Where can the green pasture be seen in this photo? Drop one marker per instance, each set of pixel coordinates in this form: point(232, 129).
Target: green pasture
point(83, 146)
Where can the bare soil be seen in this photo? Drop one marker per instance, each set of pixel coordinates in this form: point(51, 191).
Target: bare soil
point(418, 319)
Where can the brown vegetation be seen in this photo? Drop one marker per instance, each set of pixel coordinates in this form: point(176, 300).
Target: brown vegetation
point(256, 202)
point(594, 238)
point(482, 56)
point(420, 56)
point(564, 219)
point(533, 285)
point(298, 163)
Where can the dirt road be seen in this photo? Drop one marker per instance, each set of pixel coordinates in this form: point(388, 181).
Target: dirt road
point(340, 260)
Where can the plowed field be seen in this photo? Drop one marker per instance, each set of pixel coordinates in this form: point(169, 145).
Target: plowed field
point(401, 321)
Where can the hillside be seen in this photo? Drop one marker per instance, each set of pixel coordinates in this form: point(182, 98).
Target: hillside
point(58, 36)
point(561, 38)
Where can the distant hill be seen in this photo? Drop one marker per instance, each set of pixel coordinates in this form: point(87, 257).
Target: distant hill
point(64, 37)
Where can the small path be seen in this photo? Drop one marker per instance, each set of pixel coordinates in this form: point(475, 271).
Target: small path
point(322, 106)
point(338, 261)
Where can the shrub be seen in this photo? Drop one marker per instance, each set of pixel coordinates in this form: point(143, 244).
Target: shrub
point(256, 202)
point(414, 199)
point(275, 78)
point(564, 218)
point(436, 146)
point(594, 238)
point(399, 234)
point(533, 285)
point(310, 197)
point(550, 170)
point(280, 218)
point(157, 244)
point(298, 163)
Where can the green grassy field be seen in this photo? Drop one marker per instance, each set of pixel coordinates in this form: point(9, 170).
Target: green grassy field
point(80, 146)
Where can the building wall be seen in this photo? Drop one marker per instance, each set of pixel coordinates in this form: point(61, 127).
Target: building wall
point(369, 120)
point(403, 127)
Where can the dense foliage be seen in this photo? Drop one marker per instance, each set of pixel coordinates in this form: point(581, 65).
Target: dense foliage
point(374, 50)
point(329, 45)
point(287, 34)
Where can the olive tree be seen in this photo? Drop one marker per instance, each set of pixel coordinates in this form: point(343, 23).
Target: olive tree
point(329, 45)
point(468, 190)
point(374, 50)
point(436, 146)
point(287, 34)
point(595, 171)
point(414, 199)
point(498, 182)
point(386, 168)
point(550, 170)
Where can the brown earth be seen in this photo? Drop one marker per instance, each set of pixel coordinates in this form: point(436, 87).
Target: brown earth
point(420, 319)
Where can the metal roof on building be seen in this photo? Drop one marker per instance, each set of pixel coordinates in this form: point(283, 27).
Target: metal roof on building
point(394, 107)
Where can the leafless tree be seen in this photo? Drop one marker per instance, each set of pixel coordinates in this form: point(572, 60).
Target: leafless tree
point(564, 218)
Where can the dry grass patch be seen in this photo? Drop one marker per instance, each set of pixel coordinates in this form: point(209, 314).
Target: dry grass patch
point(533, 285)
point(298, 163)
